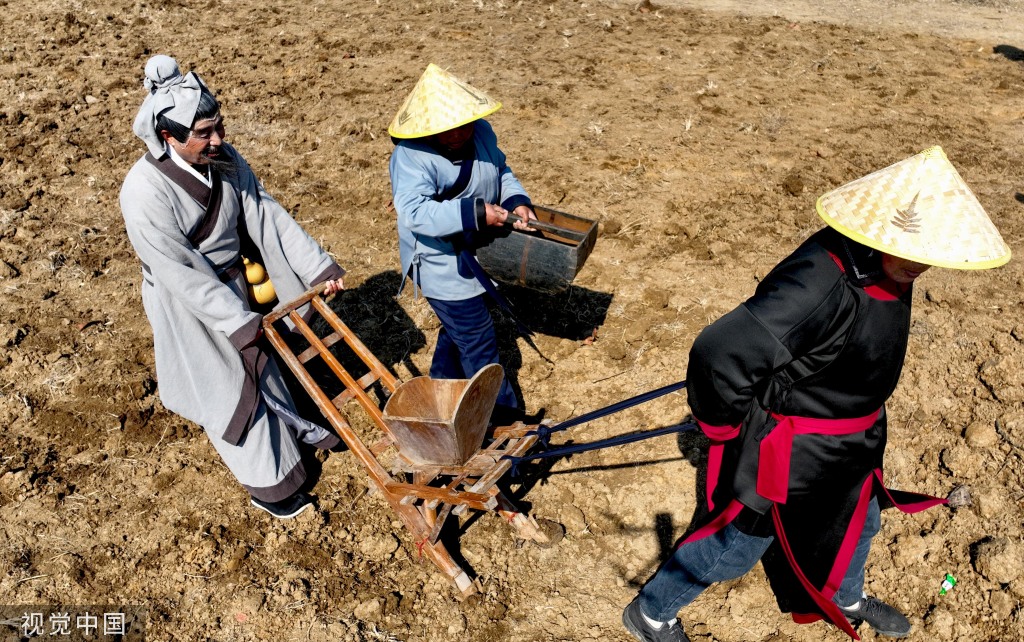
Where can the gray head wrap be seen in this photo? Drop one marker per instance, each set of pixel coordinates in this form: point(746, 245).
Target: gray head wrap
point(170, 94)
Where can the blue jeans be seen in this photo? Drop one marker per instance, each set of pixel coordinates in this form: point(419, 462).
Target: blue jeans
point(466, 342)
point(729, 554)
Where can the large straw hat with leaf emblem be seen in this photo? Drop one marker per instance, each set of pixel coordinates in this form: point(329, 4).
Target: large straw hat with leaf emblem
point(917, 209)
point(440, 102)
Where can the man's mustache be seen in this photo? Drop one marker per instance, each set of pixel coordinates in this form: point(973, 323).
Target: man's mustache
point(222, 162)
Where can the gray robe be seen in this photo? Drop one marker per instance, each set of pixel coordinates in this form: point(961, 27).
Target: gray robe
point(209, 368)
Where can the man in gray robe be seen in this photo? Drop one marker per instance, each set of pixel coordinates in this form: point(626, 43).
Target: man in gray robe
point(192, 207)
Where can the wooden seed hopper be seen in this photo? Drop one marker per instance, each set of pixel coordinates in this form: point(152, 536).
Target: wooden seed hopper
point(443, 421)
point(437, 428)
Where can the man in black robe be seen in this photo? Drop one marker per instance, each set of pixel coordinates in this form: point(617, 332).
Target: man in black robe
point(790, 387)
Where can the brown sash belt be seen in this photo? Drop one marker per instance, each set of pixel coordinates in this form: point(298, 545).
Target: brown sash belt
point(226, 275)
point(231, 272)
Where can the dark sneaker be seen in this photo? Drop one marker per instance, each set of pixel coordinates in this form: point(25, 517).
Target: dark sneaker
point(635, 623)
point(884, 619)
point(286, 508)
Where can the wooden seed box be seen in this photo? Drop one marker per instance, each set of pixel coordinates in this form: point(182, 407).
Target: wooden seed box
point(546, 260)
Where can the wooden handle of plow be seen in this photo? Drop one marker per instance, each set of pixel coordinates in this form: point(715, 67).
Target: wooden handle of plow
point(537, 225)
point(298, 302)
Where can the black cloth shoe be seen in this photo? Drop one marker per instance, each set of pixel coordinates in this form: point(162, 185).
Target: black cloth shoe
point(286, 508)
point(633, 620)
point(884, 619)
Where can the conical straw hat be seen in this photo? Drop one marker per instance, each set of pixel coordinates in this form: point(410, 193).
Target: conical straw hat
point(440, 102)
point(917, 209)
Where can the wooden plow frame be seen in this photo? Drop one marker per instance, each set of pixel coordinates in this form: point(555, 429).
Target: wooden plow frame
point(436, 492)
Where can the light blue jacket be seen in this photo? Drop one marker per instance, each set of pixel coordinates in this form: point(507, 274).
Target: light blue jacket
point(419, 173)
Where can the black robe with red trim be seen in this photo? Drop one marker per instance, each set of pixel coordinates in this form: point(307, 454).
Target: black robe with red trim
point(824, 336)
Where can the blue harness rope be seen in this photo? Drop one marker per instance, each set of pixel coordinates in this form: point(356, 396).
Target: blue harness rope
point(544, 432)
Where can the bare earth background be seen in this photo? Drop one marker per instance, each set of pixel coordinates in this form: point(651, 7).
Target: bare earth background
point(697, 136)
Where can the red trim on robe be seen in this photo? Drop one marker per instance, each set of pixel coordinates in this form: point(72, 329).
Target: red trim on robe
point(719, 433)
point(884, 290)
point(718, 436)
point(846, 550)
point(926, 501)
point(887, 290)
point(822, 598)
point(849, 544)
point(776, 449)
point(824, 603)
point(722, 520)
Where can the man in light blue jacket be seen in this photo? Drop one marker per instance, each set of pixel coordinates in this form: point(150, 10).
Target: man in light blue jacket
point(449, 181)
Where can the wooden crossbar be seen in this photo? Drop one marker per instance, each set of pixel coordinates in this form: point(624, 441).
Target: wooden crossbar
point(478, 501)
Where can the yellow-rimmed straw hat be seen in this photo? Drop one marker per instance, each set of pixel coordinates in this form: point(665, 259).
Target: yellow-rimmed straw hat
point(918, 209)
point(440, 102)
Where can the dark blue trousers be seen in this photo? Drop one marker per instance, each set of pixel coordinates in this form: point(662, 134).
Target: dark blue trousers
point(466, 342)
